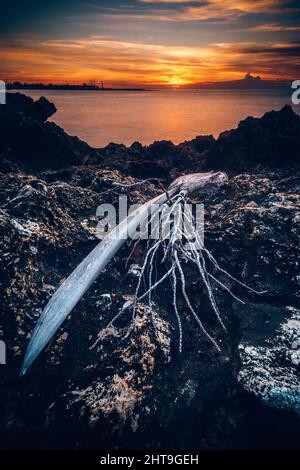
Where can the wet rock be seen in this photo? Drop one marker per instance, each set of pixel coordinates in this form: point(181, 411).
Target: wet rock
point(270, 367)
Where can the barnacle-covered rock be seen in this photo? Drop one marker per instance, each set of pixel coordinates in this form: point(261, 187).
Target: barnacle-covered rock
point(128, 359)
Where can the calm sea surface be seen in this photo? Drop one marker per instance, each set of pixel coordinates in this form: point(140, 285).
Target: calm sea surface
point(124, 117)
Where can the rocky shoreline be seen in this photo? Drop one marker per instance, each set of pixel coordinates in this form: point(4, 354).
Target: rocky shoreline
point(141, 393)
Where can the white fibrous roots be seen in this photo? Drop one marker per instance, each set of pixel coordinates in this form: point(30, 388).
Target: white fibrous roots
point(174, 246)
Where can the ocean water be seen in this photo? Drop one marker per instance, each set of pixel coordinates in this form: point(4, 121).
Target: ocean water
point(124, 117)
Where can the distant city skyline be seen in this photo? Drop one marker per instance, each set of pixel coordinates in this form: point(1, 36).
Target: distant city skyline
point(247, 82)
point(144, 43)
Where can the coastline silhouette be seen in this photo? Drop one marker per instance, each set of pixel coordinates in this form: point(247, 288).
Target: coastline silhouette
point(249, 82)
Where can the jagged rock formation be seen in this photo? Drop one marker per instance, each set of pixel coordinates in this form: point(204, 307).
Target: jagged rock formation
point(29, 142)
point(139, 391)
point(272, 140)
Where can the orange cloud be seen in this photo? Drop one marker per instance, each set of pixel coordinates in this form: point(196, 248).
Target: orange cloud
point(251, 6)
point(219, 11)
point(271, 27)
point(119, 62)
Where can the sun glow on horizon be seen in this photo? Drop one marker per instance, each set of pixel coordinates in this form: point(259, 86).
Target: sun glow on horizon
point(177, 81)
point(120, 63)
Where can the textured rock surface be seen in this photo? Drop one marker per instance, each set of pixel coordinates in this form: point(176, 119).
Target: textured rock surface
point(271, 370)
point(272, 140)
point(30, 143)
point(139, 391)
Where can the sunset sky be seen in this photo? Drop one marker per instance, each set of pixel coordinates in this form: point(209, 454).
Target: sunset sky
point(149, 43)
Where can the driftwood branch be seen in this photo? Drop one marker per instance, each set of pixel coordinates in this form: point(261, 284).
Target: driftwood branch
point(173, 249)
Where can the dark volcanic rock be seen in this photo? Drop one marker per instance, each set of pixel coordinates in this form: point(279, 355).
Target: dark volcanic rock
point(26, 141)
point(25, 107)
point(162, 159)
point(272, 140)
point(138, 391)
point(102, 390)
